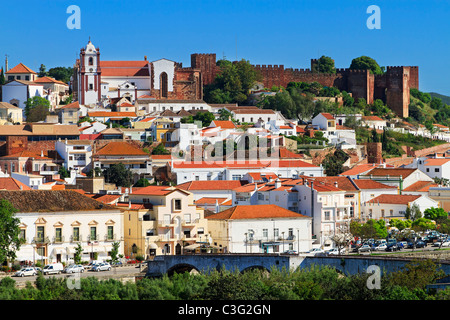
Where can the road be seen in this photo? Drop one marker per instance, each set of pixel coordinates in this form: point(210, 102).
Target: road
point(118, 272)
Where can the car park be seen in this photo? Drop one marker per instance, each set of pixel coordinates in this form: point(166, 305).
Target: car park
point(74, 268)
point(393, 247)
point(104, 266)
point(29, 271)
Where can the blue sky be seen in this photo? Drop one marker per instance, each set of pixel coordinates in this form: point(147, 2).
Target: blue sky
point(264, 32)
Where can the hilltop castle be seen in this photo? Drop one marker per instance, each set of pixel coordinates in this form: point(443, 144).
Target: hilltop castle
point(392, 87)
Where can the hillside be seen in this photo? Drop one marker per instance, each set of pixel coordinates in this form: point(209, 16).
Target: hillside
point(445, 99)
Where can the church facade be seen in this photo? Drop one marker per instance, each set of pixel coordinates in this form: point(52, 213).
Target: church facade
point(98, 82)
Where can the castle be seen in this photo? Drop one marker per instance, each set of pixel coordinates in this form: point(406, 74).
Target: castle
point(392, 87)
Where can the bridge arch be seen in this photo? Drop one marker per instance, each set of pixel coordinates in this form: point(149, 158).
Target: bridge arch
point(255, 267)
point(181, 268)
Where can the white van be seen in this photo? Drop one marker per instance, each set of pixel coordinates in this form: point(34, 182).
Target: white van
point(53, 268)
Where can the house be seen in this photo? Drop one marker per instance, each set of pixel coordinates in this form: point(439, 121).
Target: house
point(336, 134)
point(111, 116)
point(39, 132)
point(420, 188)
point(131, 157)
point(389, 206)
point(361, 169)
point(57, 91)
point(162, 220)
point(326, 204)
point(69, 114)
point(17, 92)
point(440, 194)
point(11, 184)
point(373, 122)
point(399, 177)
point(77, 154)
point(34, 181)
point(433, 167)
point(162, 130)
point(10, 114)
point(253, 115)
point(186, 134)
point(94, 127)
point(20, 72)
point(211, 189)
point(54, 223)
point(214, 205)
point(260, 229)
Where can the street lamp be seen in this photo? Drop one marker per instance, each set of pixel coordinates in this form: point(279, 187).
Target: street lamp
point(283, 240)
point(245, 242)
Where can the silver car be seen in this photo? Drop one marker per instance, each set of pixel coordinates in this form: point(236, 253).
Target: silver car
point(104, 266)
point(26, 272)
point(74, 268)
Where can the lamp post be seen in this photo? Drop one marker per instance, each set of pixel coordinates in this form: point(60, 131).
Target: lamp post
point(245, 242)
point(283, 240)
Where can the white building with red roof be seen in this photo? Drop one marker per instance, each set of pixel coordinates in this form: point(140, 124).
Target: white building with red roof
point(260, 229)
point(433, 167)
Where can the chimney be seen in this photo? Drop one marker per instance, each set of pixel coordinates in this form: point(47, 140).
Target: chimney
point(336, 184)
point(256, 186)
point(277, 183)
point(145, 58)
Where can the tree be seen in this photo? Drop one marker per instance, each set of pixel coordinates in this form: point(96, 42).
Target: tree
point(142, 182)
point(413, 213)
point(422, 224)
point(115, 251)
point(365, 62)
point(61, 73)
point(435, 214)
point(36, 109)
point(372, 229)
point(225, 115)
point(119, 175)
point(160, 150)
point(2, 78)
point(333, 162)
point(9, 232)
point(63, 173)
point(78, 252)
point(42, 71)
point(324, 65)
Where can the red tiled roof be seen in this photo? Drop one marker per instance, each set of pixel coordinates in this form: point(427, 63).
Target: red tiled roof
point(359, 169)
point(210, 201)
point(253, 111)
point(265, 211)
point(420, 186)
point(49, 80)
point(226, 124)
point(371, 184)
point(284, 163)
point(20, 68)
point(111, 114)
point(8, 183)
point(372, 118)
point(120, 148)
point(328, 116)
point(73, 105)
point(211, 185)
point(124, 68)
point(396, 172)
point(436, 162)
point(153, 190)
point(395, 198)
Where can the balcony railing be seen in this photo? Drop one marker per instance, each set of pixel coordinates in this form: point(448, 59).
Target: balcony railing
point(92, 238)
point(110, 237)
point(41, 240)
point(76, 238)
point(59, 239)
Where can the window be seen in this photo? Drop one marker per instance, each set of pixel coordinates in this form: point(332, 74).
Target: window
point(276, 233)
point(265, 233)
point(236, 177)
point(58, 235)
point(40, 231)
point(93, 236)
point(76, 234)
point(164, 85)
point(391, 212)
point(187, 218)
point(110, 235)
point(91, 86)
point(200, 231)
point(177, 203)
point(382, 213)
point(260, 196)
point(27, 78)
point(91, 61)
point(326, 215)
point(22, 234)
point(436, 169)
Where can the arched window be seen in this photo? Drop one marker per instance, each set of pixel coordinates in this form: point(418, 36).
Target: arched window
point(164, 85)
point(91, 61)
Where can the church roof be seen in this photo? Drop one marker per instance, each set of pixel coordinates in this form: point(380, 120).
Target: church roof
point(124, 68)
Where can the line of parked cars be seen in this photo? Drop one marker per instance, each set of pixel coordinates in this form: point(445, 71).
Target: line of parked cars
point(57, 268)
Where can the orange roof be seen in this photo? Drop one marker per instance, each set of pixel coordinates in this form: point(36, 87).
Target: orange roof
point(263, 211)
point(210, 201)
point(285, 153)
point(111, 114)
point(359, 169)
point(371, 184)
point(26, 154)
point(107, 198)
point(259, 176)
point(49, 80)
point(286, 127)
point(161, 156)
point(328, 116)
point(372, 118)
point(248, 187)
point(420, 186)
point(20, 68)
point(253, 111)
point(339, 182)
point(436, 162)
point(124, 68)
point(59, 187)
point(8, 183)
point(73, 105)
point(286, 163)
point(120, 148)
point(211, 185)
point(396, 172)
point(154, 190)
point(225, 124)
point(395, 198)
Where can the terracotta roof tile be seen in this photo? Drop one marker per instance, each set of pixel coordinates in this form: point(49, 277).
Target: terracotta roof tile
point(8, 183)
point(226, 124)
point(436, 162)
point(20, 68)
point(211, 185)
point(120, 148)
point(266, 211)
point(394, 199)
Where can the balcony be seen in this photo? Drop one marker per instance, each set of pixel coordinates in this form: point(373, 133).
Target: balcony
point(166, 223)
point(189, 223)
point(41, 240)
point(111, 237)
point(59, 239)
point(76, 238)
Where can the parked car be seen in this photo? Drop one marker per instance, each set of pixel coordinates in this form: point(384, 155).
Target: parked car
point(365, 248)
point(404, 244)
point(316, 251)
point(74, 268)
point(393, 247)
point(104, 266)
point(116, 264)
point(381, 247)
point(290, 252)
point(92, 264)
point(53, 268)
point(30, 271)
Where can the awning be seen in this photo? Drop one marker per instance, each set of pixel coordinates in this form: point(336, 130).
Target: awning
point(153, 246)
point(58, 250)
point(192, 246)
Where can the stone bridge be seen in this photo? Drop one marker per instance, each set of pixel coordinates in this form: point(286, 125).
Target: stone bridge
point(241, 262)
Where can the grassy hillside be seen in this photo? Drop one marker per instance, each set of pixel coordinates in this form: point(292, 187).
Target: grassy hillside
point(445, 99)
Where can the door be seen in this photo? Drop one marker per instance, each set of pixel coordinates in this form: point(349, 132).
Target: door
point(178, 249)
